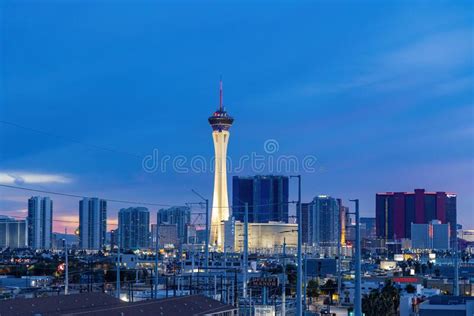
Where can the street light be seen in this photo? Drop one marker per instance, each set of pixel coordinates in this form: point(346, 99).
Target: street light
point(358, 296)
point(299, 274)
point(66, 278)
point(207, 227)
point(456, 261)
point(283, 288)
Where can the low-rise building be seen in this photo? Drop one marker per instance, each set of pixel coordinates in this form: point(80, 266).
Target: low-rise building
point(261, 236)
point(447, 305)
point(13, 232)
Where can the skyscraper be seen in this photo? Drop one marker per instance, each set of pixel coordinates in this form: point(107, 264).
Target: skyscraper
point(176, 215)
point(220, 122)
point(267, 198)
point(367, 227)
point(92, 223)
point(40, 222)
point(395, 211)
point(134, 227)
point(321, 224)
point(343, 215)
point(433, 235)
point(13, 232)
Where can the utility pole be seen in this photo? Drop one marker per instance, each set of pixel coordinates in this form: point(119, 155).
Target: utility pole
point(283, 288)
point(304, 282)
point(206, 265)
point(358, 297)
point(339, 268)
point(299, 307)
point(246, 249)
point(157, 251)
point(207, 228)
point(66, 277)
point(225, 275)
point(117, 290)
point(456, 262)
point(207, 236)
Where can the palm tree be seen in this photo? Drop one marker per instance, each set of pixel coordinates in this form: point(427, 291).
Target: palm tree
point(312, 290)
point(370, 303)
point(383, 302)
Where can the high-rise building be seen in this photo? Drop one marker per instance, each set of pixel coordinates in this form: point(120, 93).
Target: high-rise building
point(440, 235)
point(134, 227)
point(92, 223)
point(306, 227)
point(242, 192)
point(343, 215)
point(395, 211)
point(433, 235)
point(176, 215)
point(114, 238)
point(13, 232)
point(321, 223)
point(267, 198)
point(220, 122)
point(167, 235)
point(420, 236)
point(367, 228)
point(40, 222)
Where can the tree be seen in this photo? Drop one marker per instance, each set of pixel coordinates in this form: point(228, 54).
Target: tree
point(410, 288)
point(383, 302)
point(430, 266)
point(370, 303)
point(417, 267)
point(312, 289)
point(291, 275)
point(423, 268)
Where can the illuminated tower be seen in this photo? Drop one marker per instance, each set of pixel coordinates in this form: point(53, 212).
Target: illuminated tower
point(220, 122)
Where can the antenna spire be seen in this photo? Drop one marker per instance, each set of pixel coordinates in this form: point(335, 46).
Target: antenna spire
point(220, 94)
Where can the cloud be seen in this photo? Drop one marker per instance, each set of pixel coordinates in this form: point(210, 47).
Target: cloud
point(21, 178)
point(431, 60)
point(441, 50)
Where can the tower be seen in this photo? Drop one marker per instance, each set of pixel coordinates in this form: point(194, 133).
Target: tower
point(220, 122)
point(92, 223)
point(40, 222)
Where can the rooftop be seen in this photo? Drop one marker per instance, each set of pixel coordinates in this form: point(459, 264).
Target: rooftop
point(103, 304)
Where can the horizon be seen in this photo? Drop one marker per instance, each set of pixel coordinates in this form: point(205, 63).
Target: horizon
point(377, 98)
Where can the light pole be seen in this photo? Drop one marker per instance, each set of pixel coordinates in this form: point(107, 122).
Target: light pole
point(207, 229)
point(339, 268)
point(66, 278)
point(157, 248)
point(117, 284)
point(299, 275)
point(358, 297)
point(283, 287)
point(456, 262)
point(246, 249)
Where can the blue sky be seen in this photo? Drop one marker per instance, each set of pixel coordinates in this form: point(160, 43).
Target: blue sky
point(381, 93)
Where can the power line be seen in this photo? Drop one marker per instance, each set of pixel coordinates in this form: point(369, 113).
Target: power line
point(59, 220)
point(125, 201)
point(83, 196)
point(103, 148)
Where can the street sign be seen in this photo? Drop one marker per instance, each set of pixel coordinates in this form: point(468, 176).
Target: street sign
point(264, 310)
point(264, 282)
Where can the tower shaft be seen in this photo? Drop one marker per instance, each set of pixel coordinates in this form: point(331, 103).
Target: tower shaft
point(220, 202)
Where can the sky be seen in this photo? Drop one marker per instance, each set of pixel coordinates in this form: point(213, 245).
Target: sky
point(378, 96)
